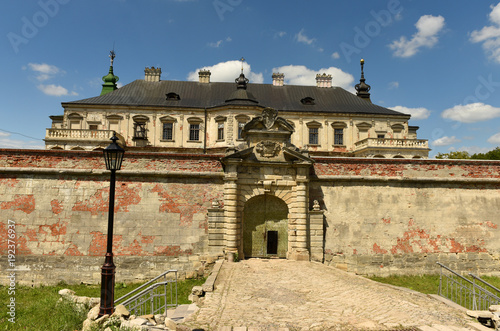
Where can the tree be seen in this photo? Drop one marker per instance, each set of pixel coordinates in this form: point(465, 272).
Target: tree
point(463, 155)
point(454, 155)
point(491, 155)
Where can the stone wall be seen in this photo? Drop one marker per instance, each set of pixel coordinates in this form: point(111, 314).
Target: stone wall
point(59, 203)
point(380, 216)
point(401, 217)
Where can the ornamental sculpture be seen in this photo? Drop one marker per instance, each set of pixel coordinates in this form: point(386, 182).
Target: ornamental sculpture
point(268, 148)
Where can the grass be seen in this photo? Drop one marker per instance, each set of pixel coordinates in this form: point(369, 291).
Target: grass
point(428, 284)
point(37, 308)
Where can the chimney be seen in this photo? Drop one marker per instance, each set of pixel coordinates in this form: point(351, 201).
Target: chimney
point(323, 80)
point(278, 79)
point(204, 76)
point(152, 74)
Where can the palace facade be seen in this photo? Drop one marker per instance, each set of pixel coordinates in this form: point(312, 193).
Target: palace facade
point(207, 117)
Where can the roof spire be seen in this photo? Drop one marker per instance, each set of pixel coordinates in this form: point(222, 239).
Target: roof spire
point(110, 79)
point(363, 88)
point(242, 61)
point(242, 81)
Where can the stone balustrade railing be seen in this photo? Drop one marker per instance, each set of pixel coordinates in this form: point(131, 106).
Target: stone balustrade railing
point(392, 143)
point(77, 134)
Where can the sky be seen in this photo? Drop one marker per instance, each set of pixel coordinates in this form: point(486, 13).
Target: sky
point(437, 60)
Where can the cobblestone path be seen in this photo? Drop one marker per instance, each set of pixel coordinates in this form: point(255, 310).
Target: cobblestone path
point(260, 294)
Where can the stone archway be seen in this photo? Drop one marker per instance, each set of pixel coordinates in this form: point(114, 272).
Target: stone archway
point(265, 227)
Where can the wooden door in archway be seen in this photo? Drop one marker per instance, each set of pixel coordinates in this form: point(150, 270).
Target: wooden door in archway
point(265, 227)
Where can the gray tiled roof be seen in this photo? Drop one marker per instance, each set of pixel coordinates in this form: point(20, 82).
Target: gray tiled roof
point(201, 95)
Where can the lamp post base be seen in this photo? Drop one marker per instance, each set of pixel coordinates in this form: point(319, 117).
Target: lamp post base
point(107, 286)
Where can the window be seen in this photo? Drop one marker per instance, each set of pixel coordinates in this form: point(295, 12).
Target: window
point(240, 129)
point(380, 136)
point(140, 131)
point(241, 120)
point(168, 131)
point(93, 126)
point(338, 136)
point(313, 136)
point(194, 132)
point(220, 131)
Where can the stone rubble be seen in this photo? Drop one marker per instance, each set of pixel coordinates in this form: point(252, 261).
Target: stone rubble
point(490, 317)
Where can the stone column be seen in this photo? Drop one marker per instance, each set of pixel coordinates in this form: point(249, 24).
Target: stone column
point(231, 210)
point(316, 232)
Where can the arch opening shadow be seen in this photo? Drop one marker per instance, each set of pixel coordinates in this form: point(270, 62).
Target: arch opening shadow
point(265, 227)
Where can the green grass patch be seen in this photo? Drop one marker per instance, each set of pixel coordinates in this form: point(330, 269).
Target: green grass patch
point(37, 308)
point(428, 284)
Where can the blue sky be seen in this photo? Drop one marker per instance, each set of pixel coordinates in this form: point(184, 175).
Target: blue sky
point(438, 60)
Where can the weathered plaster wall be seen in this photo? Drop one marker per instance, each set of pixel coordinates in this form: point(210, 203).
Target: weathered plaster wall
point(400, 216)
point(60, 207)
point(381, 216)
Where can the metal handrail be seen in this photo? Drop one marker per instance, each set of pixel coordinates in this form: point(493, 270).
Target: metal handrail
point(466, 292)
point(484, 282)
point(150, 298)
point(150, 288)
point(143, 285)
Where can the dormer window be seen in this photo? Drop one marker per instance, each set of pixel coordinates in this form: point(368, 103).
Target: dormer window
point(307, 101)
point(173, 96)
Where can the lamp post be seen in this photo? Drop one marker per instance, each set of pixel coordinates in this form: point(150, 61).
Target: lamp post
point(113, 156)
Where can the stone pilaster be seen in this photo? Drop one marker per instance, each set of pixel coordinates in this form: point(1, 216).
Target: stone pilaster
point(232, 227)
point(216, 229)
point(300, 213)
point(316, 233)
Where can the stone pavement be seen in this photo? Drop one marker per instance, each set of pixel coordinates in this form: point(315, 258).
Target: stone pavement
point(260, 294)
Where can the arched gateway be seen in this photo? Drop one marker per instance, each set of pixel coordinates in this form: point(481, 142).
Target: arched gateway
point(266, 205)
point(265, 227)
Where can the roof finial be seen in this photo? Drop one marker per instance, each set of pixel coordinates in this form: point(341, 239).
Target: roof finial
point(110, 79)
point(363, 88)
point(112, 55)
point(242, 60)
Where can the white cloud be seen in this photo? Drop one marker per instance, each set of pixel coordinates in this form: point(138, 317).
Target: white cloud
point(4, 134)
point(428, 27)
point(416, 113)
point(55, 90)
point(302, 38)
point(301, 75)
point(393, 85)
point(490, 35)
point(20, 144)
point(494, 139)
point(471, 113)
point(471, 149)
point(44, 71)
point(219, 42)
point(280, 34)
point(335, 55)
point(228, 72)
point(445, 141)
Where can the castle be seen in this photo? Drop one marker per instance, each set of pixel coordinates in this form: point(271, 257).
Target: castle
point(239, 170)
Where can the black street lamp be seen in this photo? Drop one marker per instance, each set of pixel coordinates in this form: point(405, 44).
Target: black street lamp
point(113, 156)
